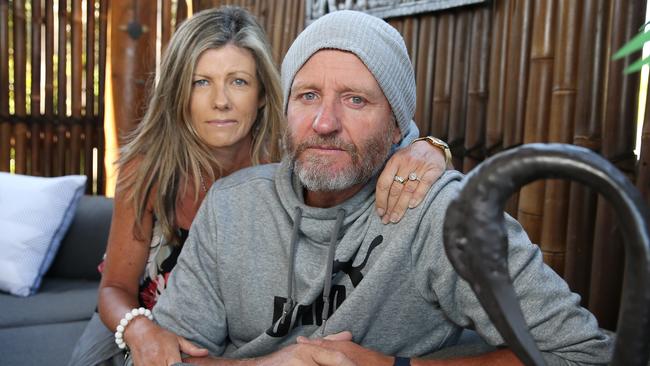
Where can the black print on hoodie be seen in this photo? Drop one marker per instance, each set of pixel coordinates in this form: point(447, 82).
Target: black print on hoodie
point(310, 314)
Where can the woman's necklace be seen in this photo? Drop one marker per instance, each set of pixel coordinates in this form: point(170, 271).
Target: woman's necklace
point(205, 190)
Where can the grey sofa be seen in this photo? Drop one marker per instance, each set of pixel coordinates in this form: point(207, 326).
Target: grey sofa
point(42, 329)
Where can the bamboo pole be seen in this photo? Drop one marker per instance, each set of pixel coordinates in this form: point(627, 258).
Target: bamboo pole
point(424, 73)
point(459, 82)
point(588, 117)
point(518, 53)
point(166, 24)
point(477, 93)
point(48, 139)
point(397, 23)
point(643, 175)
point(498, 74)
point(61, 111)
point(181, 13)
point(538, 102)
point(556, 194)
point(290, 18)
point(35, 97)
point(410, 35)
point(90, 113)
point(5, 126)
point(74, 159)
point(516, 83)
point(607, 265)
point(20, 71)
point(262, 14)
point(442, 83)
point(98, 136)
point(300, 24)
point(275, 30)
point(91, 58)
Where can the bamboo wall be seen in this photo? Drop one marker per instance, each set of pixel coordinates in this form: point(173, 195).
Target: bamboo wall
point(494, 76)
point(52, 57)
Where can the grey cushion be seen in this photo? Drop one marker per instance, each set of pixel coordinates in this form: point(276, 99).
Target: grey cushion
point(58, 300)
point(49, 344)
point(84, 245)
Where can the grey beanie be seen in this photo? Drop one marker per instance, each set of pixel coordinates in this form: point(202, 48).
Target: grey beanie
point(375, 42)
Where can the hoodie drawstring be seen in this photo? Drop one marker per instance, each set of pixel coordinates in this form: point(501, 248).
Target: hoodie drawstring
point(292, 255)
point(293, 247)
point(340, 215)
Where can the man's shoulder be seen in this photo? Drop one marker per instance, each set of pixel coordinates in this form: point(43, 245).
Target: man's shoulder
point(446, 187)
point(248, 177)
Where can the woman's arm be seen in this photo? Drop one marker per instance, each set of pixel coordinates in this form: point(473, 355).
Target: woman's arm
point(126, 257)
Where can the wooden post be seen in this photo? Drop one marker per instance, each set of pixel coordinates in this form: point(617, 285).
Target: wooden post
point(132, 60)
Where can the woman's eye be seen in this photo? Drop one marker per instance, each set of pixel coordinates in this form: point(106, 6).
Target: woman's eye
point(200, 82)
point(240, 82)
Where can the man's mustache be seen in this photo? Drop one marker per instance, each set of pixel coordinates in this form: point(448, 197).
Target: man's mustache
point(329, 141)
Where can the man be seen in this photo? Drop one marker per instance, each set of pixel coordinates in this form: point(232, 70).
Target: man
point(291, 253)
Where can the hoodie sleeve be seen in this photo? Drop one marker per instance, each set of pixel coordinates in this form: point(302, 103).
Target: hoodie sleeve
point(565, 332)
point(191, 304)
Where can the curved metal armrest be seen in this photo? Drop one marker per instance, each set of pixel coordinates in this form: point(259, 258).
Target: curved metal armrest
point(475, 218)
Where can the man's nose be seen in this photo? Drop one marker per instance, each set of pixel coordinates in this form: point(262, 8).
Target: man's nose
point(220, 98)
point(327, 120)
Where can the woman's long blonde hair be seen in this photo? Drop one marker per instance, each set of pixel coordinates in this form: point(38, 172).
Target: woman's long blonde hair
point(164, 150)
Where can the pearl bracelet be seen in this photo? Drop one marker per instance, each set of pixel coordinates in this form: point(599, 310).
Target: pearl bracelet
point(119, 332)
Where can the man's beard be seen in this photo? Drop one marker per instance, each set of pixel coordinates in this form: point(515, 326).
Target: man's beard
point(316, 172)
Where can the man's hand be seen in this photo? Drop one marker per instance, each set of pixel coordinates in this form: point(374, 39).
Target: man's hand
point(357, 354)
point(152, 345)
point(392, 197)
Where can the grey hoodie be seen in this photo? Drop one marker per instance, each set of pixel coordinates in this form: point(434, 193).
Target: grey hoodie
point(254, 244)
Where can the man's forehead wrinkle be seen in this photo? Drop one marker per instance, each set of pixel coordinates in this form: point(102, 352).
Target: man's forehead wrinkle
point(365, 84)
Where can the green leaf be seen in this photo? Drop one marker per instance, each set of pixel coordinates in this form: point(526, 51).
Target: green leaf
point(636, 66)
point(633, 45)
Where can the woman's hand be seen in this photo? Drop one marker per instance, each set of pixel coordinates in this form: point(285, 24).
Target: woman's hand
point(393, 198)
point(354, 354)
point(150, 344)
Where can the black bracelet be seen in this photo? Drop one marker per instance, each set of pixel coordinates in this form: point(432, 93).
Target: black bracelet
point(402, 361)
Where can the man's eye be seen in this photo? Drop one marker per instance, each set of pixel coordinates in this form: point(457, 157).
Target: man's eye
point(240, 82)
point(356, 100)
point(309, 96)
point(200, 82)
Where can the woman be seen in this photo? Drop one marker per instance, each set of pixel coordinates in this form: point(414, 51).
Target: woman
point(217, 108)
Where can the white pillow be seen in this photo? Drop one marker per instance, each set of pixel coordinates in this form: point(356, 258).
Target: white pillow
point(35, 214)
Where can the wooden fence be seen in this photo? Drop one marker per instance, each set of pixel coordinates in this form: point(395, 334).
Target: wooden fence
point(52, 57)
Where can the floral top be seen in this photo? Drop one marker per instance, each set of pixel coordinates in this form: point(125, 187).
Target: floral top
point(162, 259)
